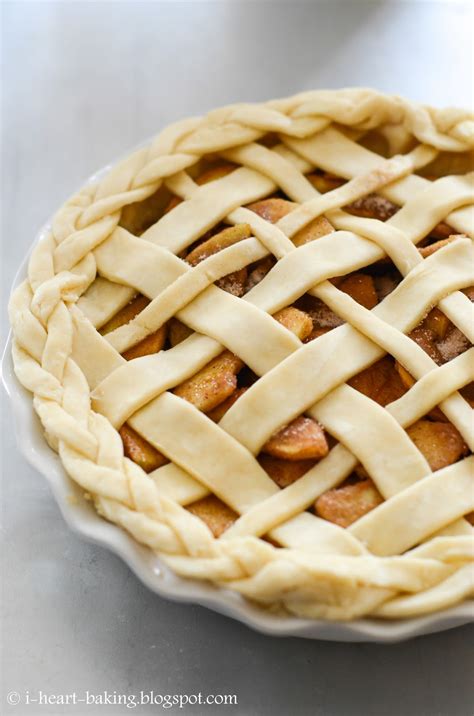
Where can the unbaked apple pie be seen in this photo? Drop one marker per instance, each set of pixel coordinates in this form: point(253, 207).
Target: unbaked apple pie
point(250, 344)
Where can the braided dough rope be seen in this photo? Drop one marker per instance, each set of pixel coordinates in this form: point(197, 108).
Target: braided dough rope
point(88, 268)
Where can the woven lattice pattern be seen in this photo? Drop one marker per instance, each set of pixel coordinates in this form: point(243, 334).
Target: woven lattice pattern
point(167, 333)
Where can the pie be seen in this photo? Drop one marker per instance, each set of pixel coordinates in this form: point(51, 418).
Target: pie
point(251, 345)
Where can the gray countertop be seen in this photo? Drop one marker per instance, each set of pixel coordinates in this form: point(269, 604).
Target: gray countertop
point(82, 82)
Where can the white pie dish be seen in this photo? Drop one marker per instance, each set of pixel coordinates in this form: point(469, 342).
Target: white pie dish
point(83, 519)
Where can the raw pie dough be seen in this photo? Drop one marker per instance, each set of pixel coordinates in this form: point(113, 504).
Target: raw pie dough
point(411, 554)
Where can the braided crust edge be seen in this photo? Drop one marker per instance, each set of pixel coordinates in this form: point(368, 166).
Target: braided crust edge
point(63, 266)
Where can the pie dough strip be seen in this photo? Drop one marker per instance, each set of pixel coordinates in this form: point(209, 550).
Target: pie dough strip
point(394, 243)
point(94, 356)
point(434, 388)
point(405, 519)
point(369, 324)
point(213, 202)
point(268, 234)
point(450, 591)
point(33, 377)
point(99, 361)
point(149, 269)
point(176, 484)
point(439, 199)
point(459, 309)
point(103, 300)
point(274, 167)
point(451, 549)
point(460, 528)
point(76, 246)
point(41, 263)
point(312, 534)
point(146, 530)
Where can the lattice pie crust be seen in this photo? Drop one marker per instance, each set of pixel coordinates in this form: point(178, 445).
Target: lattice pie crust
point(249, 344)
